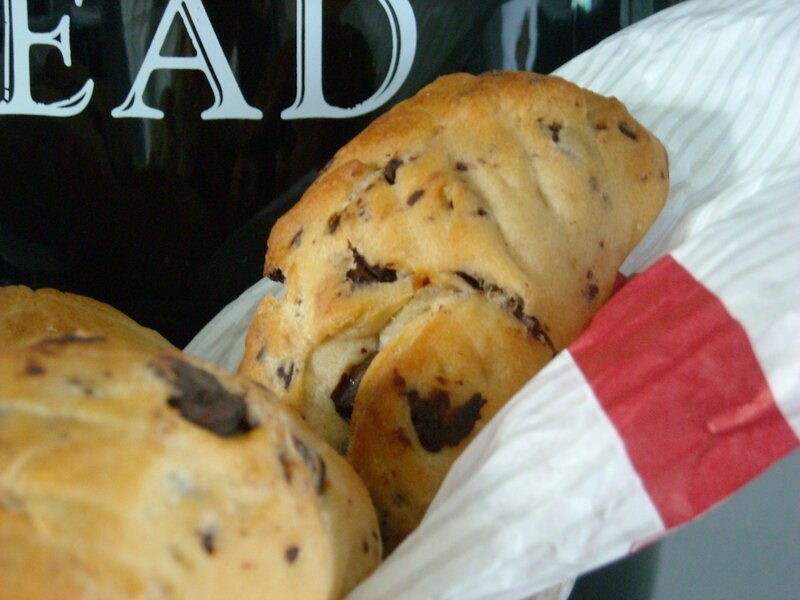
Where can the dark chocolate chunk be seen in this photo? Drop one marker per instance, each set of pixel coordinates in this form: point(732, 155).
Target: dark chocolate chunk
point(627, 130)
point(364, 273)
point(208, 538)
point(362, 210)
point(344, 394)
point(414, 198)
point(316, 464)
point(438, 423)
point(291, 554)
point(203, 400)
point(474, 282)
point(555, 128)
point(286, 466)
point(33, 367)
point(390, 170)
point(333, 222)
point(285, 374)
point(276, 275)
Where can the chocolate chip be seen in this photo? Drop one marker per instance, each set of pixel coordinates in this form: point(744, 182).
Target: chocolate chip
point(276, 275)
point(285, 374)
point(291, 554)
point(333, 222)
point(414, 198)
point(365, 546)
point(390, 170)
point(33, 368)
point(261, 354)
point(316, 464)
point(438, 423)
point(474, 282)
point(482, 212)
point(286, 466)
point(601, 126)
point(344, 394)
point(554, 131)
point(589, 274)
point(364, 273)
point(461, 166)
point(203, 400)
point(208, 538)
point(627, 130)
point(362, 210)
point(591, 292)
point(322, 476)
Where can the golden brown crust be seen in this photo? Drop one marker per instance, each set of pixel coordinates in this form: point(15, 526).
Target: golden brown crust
point(510, 199)
point(128, 471)
point(27, 316)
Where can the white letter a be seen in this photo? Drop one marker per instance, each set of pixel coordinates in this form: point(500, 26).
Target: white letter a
point(209, 58)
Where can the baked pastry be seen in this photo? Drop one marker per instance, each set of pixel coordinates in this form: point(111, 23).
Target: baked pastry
point(128, 471)
point(27, 316)
point(444, 256)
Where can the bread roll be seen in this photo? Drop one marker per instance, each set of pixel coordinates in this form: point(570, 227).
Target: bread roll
point(445, 255)
point(27, 316)
point(128, 471)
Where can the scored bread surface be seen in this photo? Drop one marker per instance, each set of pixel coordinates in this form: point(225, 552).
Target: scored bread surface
point(128, 471)
point(440, 260)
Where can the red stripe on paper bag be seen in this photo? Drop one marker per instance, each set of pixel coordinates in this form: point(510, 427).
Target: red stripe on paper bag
point(679, 380)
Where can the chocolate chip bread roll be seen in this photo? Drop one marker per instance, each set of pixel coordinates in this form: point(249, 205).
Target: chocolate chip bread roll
point(129, 471)
point(444, 256)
